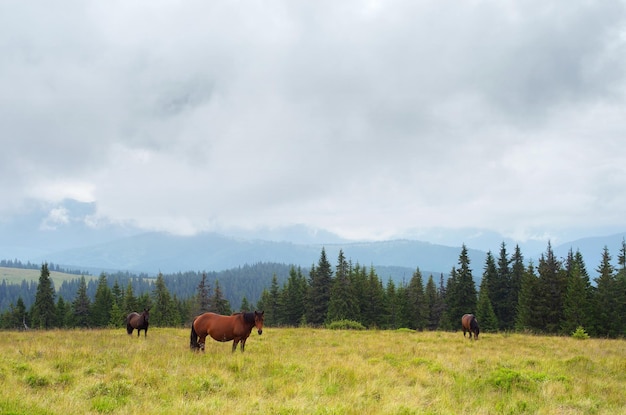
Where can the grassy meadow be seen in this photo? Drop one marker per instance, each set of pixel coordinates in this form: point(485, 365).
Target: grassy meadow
point(17, 275)
point(309, 371)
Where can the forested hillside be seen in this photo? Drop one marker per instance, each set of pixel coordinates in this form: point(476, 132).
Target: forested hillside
point(552, 296)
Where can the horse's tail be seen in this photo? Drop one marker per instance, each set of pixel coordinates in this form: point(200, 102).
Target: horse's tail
point(193, 338)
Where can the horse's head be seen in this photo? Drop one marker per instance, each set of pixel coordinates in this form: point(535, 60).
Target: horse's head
point(146, 314)
point(475, 328)
point(258, 320)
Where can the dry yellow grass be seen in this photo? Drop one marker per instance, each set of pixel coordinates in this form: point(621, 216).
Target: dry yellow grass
point(309, 371)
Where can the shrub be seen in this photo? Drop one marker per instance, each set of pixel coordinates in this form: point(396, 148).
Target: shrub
point(346, 325)
point(580, 333)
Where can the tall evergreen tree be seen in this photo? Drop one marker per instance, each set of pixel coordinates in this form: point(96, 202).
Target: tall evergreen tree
point(417, 305)
point(527, 318)
point(219, 304)
point(450, 295)
point(164, 312)
point(294, 296)
point(392, 308)
point(203, 296)
point(273, 304)
point(551, 291)
point(373, 308)
point(607, 294)
point(578, 309)
point(318, 295)
point(130, 303)
point(44, 309)
point(504, 303)
point(433, 307)
point(484, 310)
point(343, 303)
point(102, 303)
point(517, 274)
point(82, 305)
point(461, 295)
point(489, 286)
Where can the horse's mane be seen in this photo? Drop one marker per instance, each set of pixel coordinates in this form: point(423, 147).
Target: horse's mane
point(248, 317)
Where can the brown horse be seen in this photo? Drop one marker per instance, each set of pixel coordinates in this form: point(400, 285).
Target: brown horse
point(138, 321)
point(469, 323)
point(236, 327)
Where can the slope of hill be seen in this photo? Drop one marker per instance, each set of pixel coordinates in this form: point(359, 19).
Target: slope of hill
point(160, 252)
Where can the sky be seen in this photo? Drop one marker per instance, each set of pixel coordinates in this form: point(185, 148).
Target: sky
point(369, 119)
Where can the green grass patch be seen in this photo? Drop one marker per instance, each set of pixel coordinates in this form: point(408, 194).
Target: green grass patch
point(309, 371)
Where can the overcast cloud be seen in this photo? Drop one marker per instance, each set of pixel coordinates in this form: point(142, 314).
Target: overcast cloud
point(371, 119)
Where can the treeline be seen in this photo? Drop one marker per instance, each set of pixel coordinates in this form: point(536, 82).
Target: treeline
point(243, 281)
point(554, 296)
point(15, 263)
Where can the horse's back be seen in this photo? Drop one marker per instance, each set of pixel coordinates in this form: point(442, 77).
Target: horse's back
point(217, 326)
point(466, 320)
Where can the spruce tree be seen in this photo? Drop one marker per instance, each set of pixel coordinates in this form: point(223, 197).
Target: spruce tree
point(517, 274)
point(219, 304)
point(607, 295)
point(102, 304)
point(484, 311)
point(343, 303)
point(203, 296)
point(164, 311)
point(489, 286)
point(432, 300)
point(82, 305)
point(373, 308)
point(417, 305)
point(504, 303)
point(578, 309)
point(44, 309)
point(527, 318)
point(130, 304)
point(552, 285)
point(318, 295)
point(294, 295)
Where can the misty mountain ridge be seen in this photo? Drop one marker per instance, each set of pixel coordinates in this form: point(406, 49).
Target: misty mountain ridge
point(66, 235)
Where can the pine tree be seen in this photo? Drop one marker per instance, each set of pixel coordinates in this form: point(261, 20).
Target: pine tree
point(551, 291)
point(130, 301)
point(82, 305)
point(343, 303)
point(294, 294)
point(203, 296)
point(392, 309)
point(432, 300)
point(373, 308)
point(484, 310)
point(418, 307)
point(607, 294)
point(273, 304)
point(164, 312)
point(489, 285)
point(517, 274)
point(318, 295)
point(578, 297)
point(44, 308)
point(245, 305)
point(219, 304)
point(102, 304)
point(502, 299)
point(64, 313)
point(527, 314)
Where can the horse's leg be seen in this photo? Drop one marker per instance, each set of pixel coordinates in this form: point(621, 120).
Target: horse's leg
point(235, 342)
point(145, 332)
point(243, 344)
point(201, 340)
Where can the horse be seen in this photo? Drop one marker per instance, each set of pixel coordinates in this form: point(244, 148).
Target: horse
point(138, 321)
point(469, 323)
point(236, 327)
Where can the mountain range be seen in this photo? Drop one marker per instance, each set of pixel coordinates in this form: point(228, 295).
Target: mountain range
point(67, 238)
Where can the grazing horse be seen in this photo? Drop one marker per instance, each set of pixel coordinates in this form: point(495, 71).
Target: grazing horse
point(138, 321)
point(469, 323)
point(236, 327)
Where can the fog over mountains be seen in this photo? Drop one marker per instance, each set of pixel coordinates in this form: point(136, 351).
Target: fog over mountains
point(112, 247)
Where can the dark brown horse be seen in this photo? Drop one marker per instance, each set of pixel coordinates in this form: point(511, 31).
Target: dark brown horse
point(138, 321)
point(469, 323)
point(236, 327)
